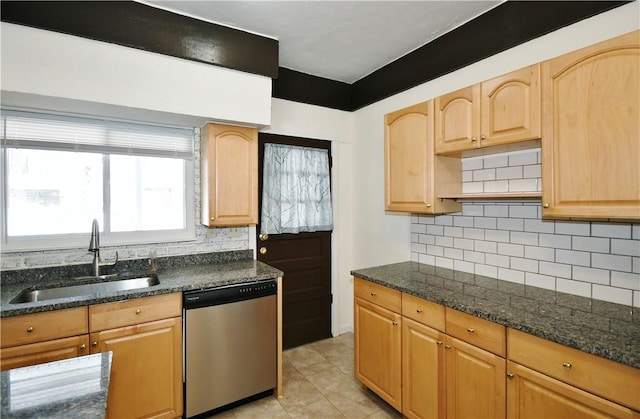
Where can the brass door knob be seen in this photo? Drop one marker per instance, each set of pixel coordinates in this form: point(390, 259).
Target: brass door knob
point(263, 250)
point(263, 237)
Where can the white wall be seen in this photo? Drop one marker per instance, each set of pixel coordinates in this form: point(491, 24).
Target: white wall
point(46, 69)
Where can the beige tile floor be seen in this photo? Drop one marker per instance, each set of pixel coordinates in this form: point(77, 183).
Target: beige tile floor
point(318, 384)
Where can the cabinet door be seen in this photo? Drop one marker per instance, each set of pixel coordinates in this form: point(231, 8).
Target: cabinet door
point(38, 353)
point(458, 120)
point(229, 180)
point(591, 132)
point(475, 381)
point(378, 363)
point(531, 395)
point(423, 367)
point(511, 107)
point(146, 373)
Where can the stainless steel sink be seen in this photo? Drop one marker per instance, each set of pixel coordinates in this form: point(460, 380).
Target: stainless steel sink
point(82, 290)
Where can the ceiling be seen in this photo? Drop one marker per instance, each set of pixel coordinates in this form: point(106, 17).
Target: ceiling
point(338, 40)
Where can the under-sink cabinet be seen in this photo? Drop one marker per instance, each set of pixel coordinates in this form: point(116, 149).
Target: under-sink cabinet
point(145, 335)
point(503, 110)
point(454, 365)
point(229, 175)
point(44, 337)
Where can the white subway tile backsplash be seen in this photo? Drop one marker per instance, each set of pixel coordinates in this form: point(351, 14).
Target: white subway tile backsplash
point(526, 211)
point(435, 250)
point(613, 295)
point(427, 259)
point(426, 219)
point(625, 247)
point(539, 226)
point(444, 241)
point(511, 275)
point(452, 253)
point(573, 257)
point(473, 233)
point(523, 185)
point(555, 240)
point(625, 280)
point(496, 235)
point(473, 210)
point(427, 239)
point(486, 270)
point(555, 269)
point(540, 253)
point(511, 249)
point(541, 281)
point(467, 176)
point(446, 220)
point(508, 173)
point(496, 186)
point(522, 264)
point(435, 230)
point(497, 260)
point(532, 171)
point(496, 211)
point(444, 263)
point(463, 266)
point(523, 158)
point(498, 160)
point(476, 257)
point(595, 276)
point(573, 228)
point(530, 239)
point(568, 286)
point(636, 265)
point(472, 187)
point(636, 298)
point(513, 224)
point(484, 174)
point(463, 221)
point(418, 228)
point(613, 230)
point(453, 231)
point(635, 231)
point(485, 222)
point(418, 247)
point(465, 244)
point(613, 262)
point(472, 163)
point(590, 244)
point(485, 246)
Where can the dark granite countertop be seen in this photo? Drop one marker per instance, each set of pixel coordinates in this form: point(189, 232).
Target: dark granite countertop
point(598, 327)
point(175, 275)
point(71, 388)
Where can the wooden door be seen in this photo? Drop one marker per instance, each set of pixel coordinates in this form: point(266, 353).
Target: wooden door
point(591, 131)
point(457, 120)
point(531, 395)
point(476, 385)
point(229, 175)
point(378, 358)
point(511, 107)
point(423, 369)
point(48, 351)
point(146, 371)
point(305, 259)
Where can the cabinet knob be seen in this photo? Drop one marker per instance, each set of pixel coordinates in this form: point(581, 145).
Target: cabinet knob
point(138, 311)
point(545, 205)
point(483, 137)
point(213, 218)
point(373, 293)
point(418, 310)
point(29, 329)
point(567, 365)
point(471, 330)
point(94, 343)
point(510, 376)
point(395, 323)
point(474, 139)
point(447, 346)
point(438, 342)
point(83, 347)
point(428, 205)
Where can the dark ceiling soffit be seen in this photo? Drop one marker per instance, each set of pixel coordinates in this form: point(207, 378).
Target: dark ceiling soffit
point(506, 26)
point(147, 28)
point(300, 87)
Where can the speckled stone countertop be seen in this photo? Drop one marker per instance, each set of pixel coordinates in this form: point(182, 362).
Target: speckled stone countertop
point(598, 327)
point(176, 274)
point(71, 388)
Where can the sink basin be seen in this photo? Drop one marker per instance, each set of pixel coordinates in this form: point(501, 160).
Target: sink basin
point(81, 290)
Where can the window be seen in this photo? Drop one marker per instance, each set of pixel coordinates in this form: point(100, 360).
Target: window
point(61, 172)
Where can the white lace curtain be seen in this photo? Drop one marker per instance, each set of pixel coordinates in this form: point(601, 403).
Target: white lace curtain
point(296, 192)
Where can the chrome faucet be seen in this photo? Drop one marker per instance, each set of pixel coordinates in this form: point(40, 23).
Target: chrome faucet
point(94, 246)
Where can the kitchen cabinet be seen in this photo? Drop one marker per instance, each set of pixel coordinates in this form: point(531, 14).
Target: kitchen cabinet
point(44, 337)
point(542, 371)
point(500, 111)
point(229, 175)
point(414, 176)
point(591, 131)
point(475, 366)
point(377, 340)
point(145, 336)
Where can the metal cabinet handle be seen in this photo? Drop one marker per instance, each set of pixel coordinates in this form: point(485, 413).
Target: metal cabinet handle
point(418, 310)
point(510, 376)
point(567, 365)
point(29, 329)
point(471, 330)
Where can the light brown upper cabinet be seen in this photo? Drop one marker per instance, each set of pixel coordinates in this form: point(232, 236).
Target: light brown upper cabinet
point(591, 131)
point(414, 177)
point(499, 111)
point(229, 175)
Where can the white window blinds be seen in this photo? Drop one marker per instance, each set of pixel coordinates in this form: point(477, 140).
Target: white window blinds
point(56, 132)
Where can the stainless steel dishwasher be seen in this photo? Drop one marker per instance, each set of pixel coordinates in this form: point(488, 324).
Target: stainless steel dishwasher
point(229, 345)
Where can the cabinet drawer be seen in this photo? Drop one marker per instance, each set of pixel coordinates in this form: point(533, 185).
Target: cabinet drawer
point(423, 311)
point(130, 312)
point(479, 332)
point(611, 380)
point(378, 294)
point(40, 327)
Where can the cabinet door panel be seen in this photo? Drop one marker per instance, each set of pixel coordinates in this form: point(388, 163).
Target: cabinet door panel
point(38, 353)
point(591, 132)
point(531, 395)
point(423, 368)
point(458, 120)
point(511, 107)
point(378, 363)
point(476, 385)
point(146, 372)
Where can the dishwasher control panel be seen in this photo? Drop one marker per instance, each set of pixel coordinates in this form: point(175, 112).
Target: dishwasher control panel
point(229, 294)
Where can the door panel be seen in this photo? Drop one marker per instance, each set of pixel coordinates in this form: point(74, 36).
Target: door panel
point(305, 259)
